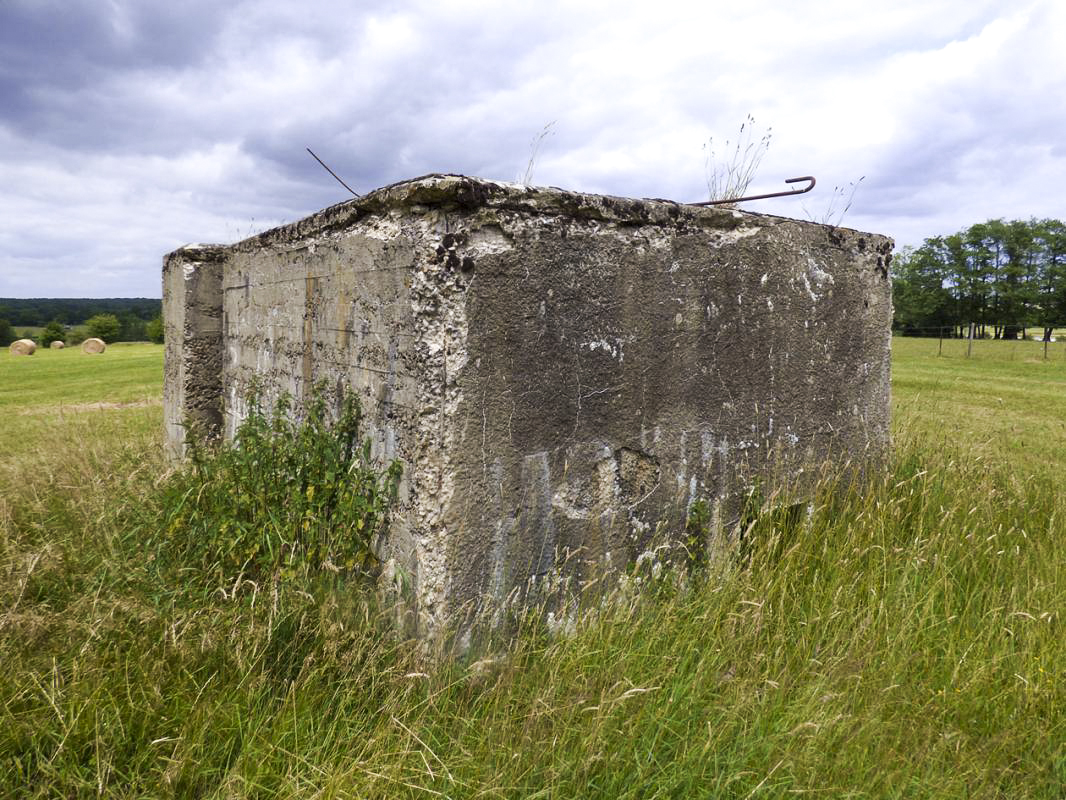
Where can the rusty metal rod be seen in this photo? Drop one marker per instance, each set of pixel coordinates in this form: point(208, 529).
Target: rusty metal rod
point(334, 174)
point(763, 196)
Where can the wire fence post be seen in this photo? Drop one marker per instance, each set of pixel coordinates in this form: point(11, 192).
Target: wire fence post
point(969, 345)
point(940, 348)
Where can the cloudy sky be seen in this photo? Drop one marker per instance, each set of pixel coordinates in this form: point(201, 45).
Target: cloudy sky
point(131, 127)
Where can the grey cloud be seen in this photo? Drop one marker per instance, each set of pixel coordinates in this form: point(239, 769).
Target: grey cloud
point(54, 55)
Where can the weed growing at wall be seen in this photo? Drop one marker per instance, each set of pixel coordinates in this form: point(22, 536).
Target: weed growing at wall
point(526, 178)
point(285, 498)
point(764, 527)
point(697, 534)
point(730, 173)
point(839, 204)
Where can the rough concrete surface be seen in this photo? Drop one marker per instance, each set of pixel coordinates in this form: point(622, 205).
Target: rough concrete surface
point(192, 335)
point(562, 374)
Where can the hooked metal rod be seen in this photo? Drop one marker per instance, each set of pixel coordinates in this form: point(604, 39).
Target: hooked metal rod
point(804, 190)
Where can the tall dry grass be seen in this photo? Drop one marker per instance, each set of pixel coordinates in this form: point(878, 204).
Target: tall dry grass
point(905, 640)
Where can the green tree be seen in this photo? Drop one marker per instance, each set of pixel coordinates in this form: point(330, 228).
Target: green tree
point(53, 332)
point(104, 326)
point(999, 275)
point(921, 297)
point(1051, 297)
point(155, 329)
point(7, 333)
point(1016, 292)
point(133, 328)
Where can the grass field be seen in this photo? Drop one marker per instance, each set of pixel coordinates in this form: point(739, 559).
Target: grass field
point(1003, 404)
point(908, 642)
point(55, 396)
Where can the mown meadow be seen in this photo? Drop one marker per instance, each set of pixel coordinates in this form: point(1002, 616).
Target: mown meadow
point(905, 641)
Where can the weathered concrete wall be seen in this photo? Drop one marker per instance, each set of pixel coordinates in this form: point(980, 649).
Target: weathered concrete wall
point(192, 358)
point(560, 373)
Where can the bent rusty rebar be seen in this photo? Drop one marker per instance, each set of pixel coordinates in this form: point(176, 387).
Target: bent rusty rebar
point(764, 196)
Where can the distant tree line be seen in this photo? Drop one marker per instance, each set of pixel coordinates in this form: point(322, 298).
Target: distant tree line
point(1002, 276)
point(39, 311)
point(115, 319)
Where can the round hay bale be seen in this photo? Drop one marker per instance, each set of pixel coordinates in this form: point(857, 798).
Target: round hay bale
point(57, 344)
point(92, 346)
point(23, 347)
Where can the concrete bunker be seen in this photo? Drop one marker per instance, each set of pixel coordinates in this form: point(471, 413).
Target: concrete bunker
point(561, 374)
